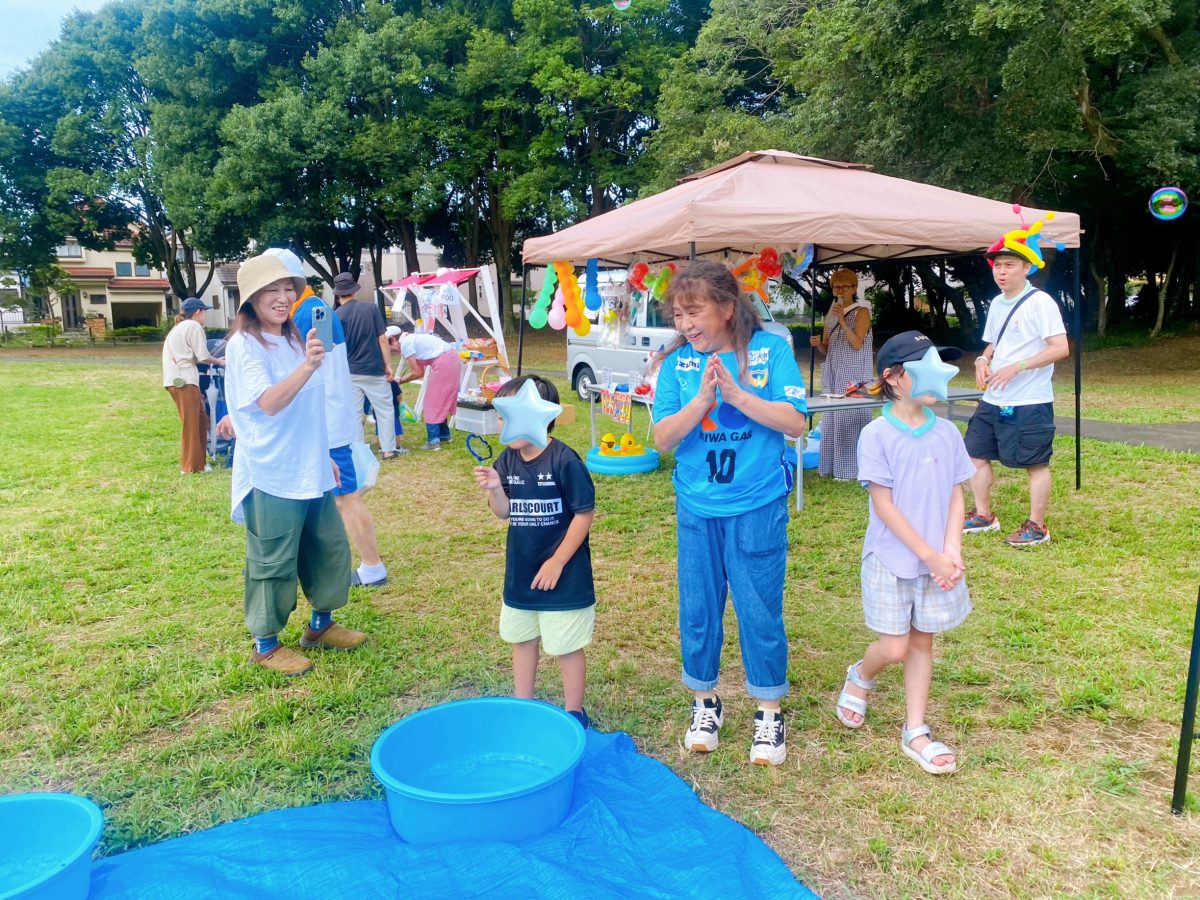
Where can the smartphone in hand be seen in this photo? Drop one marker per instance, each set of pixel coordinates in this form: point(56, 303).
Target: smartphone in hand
point(323, 326)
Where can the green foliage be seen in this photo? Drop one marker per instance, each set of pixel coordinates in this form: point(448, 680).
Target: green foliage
point(138, 333)
point(1080, 105)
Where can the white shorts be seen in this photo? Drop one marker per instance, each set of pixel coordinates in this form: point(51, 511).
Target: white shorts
point(897, 605)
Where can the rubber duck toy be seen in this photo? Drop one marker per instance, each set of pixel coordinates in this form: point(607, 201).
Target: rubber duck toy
point(630, 446)
point(608, 445)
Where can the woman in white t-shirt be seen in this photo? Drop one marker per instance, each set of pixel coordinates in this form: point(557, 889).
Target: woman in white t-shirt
point(430, 357)
point(283, 479)
point(185, 347)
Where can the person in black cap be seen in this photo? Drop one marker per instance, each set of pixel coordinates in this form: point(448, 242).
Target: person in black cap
point(1014, 422)
point(369, 356)
point(186, 346)
point(913, 465)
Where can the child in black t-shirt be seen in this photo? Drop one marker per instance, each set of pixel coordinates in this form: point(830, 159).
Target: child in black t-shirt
point(548, 498)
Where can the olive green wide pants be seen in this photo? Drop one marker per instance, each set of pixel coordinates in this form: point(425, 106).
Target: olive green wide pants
point(288, 540)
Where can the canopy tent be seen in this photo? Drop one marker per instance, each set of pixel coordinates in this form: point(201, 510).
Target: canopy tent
point(441, 302)
point(772, 198)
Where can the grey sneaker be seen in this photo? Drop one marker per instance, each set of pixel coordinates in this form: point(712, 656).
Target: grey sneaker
point(432, 445)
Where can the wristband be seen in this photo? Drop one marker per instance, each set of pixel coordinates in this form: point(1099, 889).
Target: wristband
point(1022, 365)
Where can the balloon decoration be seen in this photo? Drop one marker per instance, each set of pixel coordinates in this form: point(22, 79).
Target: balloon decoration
point(658, 283)
point(753, 273)
point(796, 264)
point(591, 294)
point(637, 276)
point(1025, 241)
point(560, 302)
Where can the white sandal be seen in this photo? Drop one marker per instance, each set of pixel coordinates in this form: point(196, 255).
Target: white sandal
point(851, 702)
point(925, 756)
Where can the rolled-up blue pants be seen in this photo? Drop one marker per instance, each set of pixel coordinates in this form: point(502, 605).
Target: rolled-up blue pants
point(744, 554)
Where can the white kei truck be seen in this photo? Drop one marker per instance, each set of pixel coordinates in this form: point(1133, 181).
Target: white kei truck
point(587, 358)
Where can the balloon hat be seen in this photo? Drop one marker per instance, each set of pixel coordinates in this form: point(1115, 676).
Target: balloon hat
point(1024, 242)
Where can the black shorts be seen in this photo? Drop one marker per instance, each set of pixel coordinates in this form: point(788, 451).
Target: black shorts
point(1019, 436)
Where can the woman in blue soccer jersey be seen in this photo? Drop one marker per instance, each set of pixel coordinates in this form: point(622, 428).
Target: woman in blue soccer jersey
point(727, 394)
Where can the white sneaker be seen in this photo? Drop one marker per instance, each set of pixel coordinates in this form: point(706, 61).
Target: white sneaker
point(769, 747)
point(701, 736)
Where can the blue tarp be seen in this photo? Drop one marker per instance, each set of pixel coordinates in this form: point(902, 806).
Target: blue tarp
point(634, 830)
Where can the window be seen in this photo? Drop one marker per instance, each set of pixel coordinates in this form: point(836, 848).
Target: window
point(141, 271)
point(654, 316)
point(99, 299)
point(69, 250)
point(124, 270)
point(216, 302)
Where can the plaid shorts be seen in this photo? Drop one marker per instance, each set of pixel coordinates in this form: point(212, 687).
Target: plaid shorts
point(897, 605)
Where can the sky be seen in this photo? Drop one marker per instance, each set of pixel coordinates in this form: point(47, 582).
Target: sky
point(28, 26)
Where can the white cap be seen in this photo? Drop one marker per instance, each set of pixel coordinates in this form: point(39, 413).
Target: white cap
point(288, 258)
point(393, 331)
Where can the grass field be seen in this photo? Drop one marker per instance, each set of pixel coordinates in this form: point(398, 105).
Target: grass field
point(124, 667)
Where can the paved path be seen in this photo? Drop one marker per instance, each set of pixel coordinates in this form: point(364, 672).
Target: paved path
point(1181, 436)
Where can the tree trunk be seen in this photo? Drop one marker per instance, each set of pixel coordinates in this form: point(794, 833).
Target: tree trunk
point(408, 242)
point(1101, 301)
point(1162, 292)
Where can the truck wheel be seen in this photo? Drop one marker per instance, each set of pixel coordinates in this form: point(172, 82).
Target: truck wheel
point(584, 378)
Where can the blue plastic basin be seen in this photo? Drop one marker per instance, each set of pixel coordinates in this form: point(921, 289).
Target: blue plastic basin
point(812, 459)
point(46, 851)
point(492, 769)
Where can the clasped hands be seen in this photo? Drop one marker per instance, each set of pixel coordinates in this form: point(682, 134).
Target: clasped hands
point(946, 568)
point(714, 376)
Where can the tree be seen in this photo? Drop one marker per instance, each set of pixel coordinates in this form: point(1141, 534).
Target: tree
point(1078, 105)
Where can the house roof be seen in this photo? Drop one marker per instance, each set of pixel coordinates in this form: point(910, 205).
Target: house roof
point(89, 273)
point(227, 274)
point(139, 284)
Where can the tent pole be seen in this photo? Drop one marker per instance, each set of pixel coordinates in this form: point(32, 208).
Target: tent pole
point(812, 329)
point(521, 324)
point(1078, 365)
point(691, 251)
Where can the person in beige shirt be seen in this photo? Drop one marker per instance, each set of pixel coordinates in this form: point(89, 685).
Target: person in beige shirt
point(187, 346)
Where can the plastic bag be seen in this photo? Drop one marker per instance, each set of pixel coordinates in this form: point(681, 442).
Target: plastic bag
point(366, 466)
point(407, 416)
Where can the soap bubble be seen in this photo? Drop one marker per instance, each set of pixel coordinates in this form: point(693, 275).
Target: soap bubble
point(1168, 203)
point(622, 4)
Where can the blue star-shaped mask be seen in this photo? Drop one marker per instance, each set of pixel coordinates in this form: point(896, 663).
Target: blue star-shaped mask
point(526, 416)
point(930, 375)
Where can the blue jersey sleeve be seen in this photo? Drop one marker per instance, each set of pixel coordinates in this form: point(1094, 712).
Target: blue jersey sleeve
point(787, 384)
point(666, 391)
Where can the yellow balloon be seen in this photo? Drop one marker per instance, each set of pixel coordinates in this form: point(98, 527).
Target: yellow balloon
point(584, 327)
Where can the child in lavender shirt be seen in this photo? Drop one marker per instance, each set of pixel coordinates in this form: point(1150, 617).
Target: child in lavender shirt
point(913, 465)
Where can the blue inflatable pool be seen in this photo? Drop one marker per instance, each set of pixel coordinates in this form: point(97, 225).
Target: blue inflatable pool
point(600, 464)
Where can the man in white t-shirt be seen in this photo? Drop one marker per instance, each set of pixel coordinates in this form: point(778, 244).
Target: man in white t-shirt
point(1015, 420)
